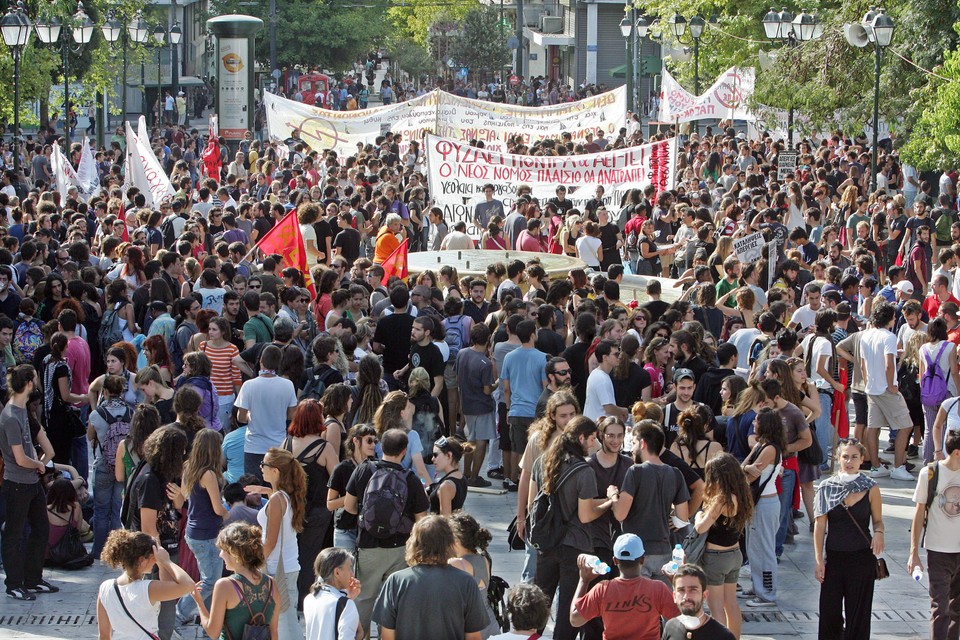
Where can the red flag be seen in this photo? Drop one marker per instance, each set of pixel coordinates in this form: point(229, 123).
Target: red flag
point(285, 239)
point(122, 217)
point(396, 263)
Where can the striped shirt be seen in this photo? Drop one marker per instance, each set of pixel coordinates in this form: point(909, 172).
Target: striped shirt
point(224, 374)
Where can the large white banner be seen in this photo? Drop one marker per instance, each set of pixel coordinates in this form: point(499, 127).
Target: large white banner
point(143, 170)
point(64, 175)
point(725, 99)
point(447, 115)
point(457, 173)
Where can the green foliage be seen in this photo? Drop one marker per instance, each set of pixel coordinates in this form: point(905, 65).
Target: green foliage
point(935, 142)
point(413, 18)
point(482, 44)
point(410, 56)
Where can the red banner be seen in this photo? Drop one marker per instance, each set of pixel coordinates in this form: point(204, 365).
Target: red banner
point(285, 239)
point(396, 263)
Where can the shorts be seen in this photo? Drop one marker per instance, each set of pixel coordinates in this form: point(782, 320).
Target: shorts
point(722, 567)
point(859, 407)
point(518, 433)
point(480, 427)
point(886, 410)
point(450, 376)
point(503, 429)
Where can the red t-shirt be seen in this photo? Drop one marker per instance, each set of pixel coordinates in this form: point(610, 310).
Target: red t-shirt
point(931, 304)
point(630, 609)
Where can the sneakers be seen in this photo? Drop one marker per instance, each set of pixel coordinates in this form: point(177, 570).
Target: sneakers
point(913, 451)
point(879, 472)
point(745, 571)
point(900, 473)
point(511, 486)
point(759, 603)
point(496, 474)
point(43, 587)
point(746, 593)
point(479, 482)
point(890, 449)
point(18, 593)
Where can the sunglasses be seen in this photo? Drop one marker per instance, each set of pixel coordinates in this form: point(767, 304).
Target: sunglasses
point(264, 465)
point(565, 372)
point(371, 441)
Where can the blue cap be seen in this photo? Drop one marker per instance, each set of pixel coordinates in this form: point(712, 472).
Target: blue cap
point(628, 546)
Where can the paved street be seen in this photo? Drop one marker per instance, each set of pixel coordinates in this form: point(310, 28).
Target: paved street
point(901, 607)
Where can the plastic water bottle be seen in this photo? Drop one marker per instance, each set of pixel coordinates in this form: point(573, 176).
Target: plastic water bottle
point(917, 574)
point(598, 566)
point(679, 557)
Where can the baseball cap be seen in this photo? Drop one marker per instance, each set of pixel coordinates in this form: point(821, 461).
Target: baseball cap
point(628, 546)
point(682, 373)
point(904, 286)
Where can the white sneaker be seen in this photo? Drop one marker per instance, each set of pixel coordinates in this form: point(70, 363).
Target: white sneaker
point(745, 571)
point(901, 473)
point(879, 472)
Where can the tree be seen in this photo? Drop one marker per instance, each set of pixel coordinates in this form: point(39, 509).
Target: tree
point(409, 56)
point(414, 18)
point(482, 45)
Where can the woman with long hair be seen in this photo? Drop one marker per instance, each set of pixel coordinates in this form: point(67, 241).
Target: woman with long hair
point(157, 354)
point(204, 317)
point(57, 380)
point(427, 421)
point(569, 233)
point(186, 405)
point(201, 487)
point(156, 392)
point(145, 421)
point(336, 403)
point(846, 555)
point(281, 519)
point(54, 290)
point(449, 492)
point(116, 361)
point(631, 382)
point(396, 412)
point(196, 373)
point(637, 321)
point(224, 374)
point(692, 443)
point(471, 555)
point(727, 509)
point(247, 593)
point(318, 457)
point(361, 446)
point(130, 271)
point(118, 302)
point(130, 605)
point(107, 492)
point(749, 403)
point(371, 390)
point(657, 361)
point(762, 467)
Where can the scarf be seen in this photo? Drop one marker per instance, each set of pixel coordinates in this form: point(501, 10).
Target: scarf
point(833, 492)
point(50, 367)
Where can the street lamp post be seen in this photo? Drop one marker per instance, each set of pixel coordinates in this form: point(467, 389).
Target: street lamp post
point(879, 27)
point(50, 31)
point(626, 29)
point(176, 35)
point(15, 29)
point(136, 30)
point(790, 30)
point(698, 27)
point(159, 40)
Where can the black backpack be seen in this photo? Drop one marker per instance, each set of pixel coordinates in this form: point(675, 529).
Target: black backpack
point(384, 502)
point(546, 525)
point(316, 383)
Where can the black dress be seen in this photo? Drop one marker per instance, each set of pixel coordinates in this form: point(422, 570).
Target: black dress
point(458, 498)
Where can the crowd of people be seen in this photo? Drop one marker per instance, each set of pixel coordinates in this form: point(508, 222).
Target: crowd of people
point(253, 450)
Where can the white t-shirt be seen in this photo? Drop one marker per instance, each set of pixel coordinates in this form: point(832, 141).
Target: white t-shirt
point(742, 339)
point(951, 406)
point(875, 346)
point(267, 399)
point(319, 613)
point(136, 597)
point(212, 298)
point(909, 172)
point(821, 348)
point(599, 393)
point(944, 516)
point(588, 249)
point(804, 317)
point(905, 333)
point(287, 540)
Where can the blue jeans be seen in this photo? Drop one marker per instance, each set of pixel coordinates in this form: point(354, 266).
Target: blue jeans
point(211, 568)
point(345, 539)
point(78, 456)
point(529, 572)
point(788, 481)
point(107, 496)
point(825, 432)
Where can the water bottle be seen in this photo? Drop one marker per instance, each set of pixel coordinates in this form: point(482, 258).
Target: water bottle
point(917, 574)
point(599, 567)
point(679, 557)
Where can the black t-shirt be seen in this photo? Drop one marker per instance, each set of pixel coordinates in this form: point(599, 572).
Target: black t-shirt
point(262, 225)
point(711, 630)
point(562, 205)
point(323, 231)
point(656, 308)
point(149, 491)
point(669, 458)
point(576, 357)
point(550, 342)
point(417, 502)
point(608, 240)
point(428, 357)
point(478, 314)
point(348, 241)
point(627, 390)
point(393, 332)
point(343, 519)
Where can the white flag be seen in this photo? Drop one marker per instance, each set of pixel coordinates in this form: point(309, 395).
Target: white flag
point(63, 174)
point(88, 180)
point(144, 170)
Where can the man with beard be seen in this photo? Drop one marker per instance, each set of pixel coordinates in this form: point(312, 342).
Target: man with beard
point(689, 593)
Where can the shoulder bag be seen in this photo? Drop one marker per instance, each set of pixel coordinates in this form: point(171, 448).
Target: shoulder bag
point(882, 571)
point(116, 588)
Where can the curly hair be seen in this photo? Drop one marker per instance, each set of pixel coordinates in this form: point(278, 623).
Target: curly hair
point(724, 478)
point(165, 451)
point(469, 533)
point(145, 421)
point(186, 404)
point(336, 400)
point(566, 447)
point(292, 480)
point(126, 550)
point(387, 415)
point(243, 542)
point(543, 429)
point(431, 542)
point(691, 429)
point(369, 375)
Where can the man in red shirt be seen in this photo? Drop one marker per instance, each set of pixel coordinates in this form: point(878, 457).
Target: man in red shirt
point(940, 293)
point(630, 605)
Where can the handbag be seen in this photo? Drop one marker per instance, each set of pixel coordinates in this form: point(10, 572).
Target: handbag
point(882, 571)
point(514, 540)
point(694, 546)
point(814, 453)
point(69, 553)
point(257, 627)
point(75, 426)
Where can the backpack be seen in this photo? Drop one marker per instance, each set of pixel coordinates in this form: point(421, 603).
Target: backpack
point(125, 506)
point(316, 475)
point(933, 386)
point(176, 351)
point(118, 428)
point(546, 525)
point(316, 383)
point(168, 232)
point(496, 598)
point(454, 336)
point(110, 333)
point(633, 240)
point(27, 339)
point(944, 221)
point(69, 553)
point(384, 500)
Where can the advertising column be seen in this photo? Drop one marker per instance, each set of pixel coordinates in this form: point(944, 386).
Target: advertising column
point(235, 74)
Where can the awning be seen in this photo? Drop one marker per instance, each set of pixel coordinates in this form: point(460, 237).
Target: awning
point(548, 39)
point(151, 80)
point(619, 72)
